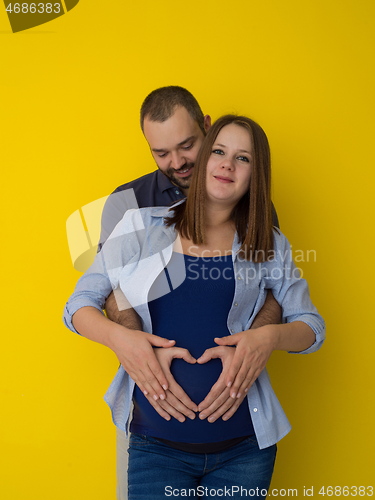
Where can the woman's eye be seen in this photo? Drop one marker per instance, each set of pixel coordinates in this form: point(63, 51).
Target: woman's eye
point(243, 158)
point(218, 151)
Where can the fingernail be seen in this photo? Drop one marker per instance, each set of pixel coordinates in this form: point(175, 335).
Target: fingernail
point(181, 419)
point(202, 416)
point(155, 397)
point(238, 395)
point(162, 396)
point(233, 395)
point(225, 418)
point(145, 393)
point(211, 419)
point(165, 387)
point(192, 417)
point(229, 384)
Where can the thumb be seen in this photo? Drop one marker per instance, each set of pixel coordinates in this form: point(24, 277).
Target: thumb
point(229, 340)
point(206, 356)
point(160, 341)
point(185, 355)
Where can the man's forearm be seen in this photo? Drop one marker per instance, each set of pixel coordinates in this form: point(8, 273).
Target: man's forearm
point(119, 310)
point(270, 314)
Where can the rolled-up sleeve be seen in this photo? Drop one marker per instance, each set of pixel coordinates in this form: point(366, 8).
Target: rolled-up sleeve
point(102, 277)
point(92, 290)
point(292, 293)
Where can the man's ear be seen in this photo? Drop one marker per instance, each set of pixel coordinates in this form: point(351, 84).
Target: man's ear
point(207, 122)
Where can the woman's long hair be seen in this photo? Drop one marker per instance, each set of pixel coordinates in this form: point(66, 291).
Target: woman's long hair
point(252, 215)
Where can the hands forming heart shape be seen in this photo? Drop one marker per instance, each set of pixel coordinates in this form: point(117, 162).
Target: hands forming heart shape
point(178, 403)
point(241, 365)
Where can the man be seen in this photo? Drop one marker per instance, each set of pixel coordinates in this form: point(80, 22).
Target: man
point(174, 127)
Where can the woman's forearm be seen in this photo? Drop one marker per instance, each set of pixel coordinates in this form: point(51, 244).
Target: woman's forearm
point(296, 336)
point(92, 324)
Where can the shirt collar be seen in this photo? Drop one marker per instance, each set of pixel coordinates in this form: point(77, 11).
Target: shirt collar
point(163, 182)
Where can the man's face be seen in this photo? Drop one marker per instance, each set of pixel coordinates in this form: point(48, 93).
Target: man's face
point(175, 144)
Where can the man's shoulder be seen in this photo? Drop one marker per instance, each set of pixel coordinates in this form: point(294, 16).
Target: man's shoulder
point(139, 183)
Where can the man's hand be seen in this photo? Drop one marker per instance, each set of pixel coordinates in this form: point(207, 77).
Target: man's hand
point(253, 349)
point(177, 403)
point(218, 402)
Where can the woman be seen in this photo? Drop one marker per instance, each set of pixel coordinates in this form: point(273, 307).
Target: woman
point(199, 273)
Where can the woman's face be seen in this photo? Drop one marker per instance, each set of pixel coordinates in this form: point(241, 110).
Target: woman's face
point(229, 166)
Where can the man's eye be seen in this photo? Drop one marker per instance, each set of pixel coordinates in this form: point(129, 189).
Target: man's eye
point(217, 152)
point(186, 148)
point(162, 155)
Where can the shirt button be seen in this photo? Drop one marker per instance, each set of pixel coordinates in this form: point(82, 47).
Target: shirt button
point(177, 191)
point(239, 277)
point(235, 304)
point(255, 410)
point(232, 331)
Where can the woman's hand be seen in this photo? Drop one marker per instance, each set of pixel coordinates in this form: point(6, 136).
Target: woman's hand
point(177, 403)
point(253, 349)
point(218, 402)
point(134, 350)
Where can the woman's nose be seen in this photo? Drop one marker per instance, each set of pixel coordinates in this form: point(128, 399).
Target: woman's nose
point(228, 164)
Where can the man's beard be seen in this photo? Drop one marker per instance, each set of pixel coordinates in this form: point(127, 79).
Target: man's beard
point(181, 182)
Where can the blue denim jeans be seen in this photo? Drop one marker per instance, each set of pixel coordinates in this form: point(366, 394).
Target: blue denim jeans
point(157, 471)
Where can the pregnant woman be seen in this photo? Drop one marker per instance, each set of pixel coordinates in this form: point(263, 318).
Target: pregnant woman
point(198, 273)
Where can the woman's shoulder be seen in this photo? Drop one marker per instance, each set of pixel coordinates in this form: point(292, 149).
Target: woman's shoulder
point(281, 245)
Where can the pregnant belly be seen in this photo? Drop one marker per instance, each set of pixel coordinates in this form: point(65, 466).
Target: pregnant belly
point(196, 380)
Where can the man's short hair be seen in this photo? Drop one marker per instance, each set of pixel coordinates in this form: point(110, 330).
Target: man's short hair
point(161, 103)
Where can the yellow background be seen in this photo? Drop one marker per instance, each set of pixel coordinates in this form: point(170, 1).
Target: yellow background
point(70, 93)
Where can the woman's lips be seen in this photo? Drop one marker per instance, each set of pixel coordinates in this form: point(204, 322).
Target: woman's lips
point(223, 179)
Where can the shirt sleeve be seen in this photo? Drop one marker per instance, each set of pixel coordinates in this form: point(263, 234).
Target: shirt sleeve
point(292, 292)
point(117, 204)
point(102, 277)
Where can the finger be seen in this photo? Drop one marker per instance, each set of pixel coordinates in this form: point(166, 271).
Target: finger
point(178, 407)
point(232, 410)
point(216, 390)
point(157, 341)
point(229, 340)
point(154, 380)
point(165, 409)
point(235, 367)
point(227, 404)
point(208, 355)
point(249, 380)
point(185, 355)
point(181, 396)
point(244, 378)
point(163, 413)
point(239, 379)
point(223, 398)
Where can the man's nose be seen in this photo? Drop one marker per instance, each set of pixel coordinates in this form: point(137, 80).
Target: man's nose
point(177, 161)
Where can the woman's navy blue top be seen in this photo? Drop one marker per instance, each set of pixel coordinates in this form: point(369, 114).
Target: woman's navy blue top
point(194, 314)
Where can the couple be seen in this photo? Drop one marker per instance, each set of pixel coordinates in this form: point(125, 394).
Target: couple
point(157, 258)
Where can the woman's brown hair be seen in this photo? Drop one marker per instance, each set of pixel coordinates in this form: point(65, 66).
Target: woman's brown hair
point(253, 213)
